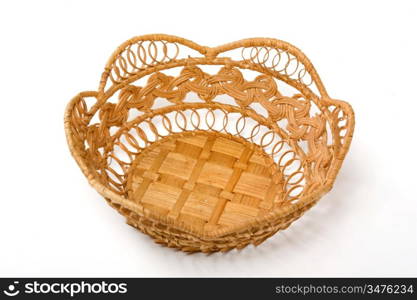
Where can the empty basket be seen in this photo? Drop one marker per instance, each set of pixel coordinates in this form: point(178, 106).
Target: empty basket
point(209, 149)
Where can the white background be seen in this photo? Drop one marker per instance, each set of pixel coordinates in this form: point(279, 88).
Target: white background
point(52, 223)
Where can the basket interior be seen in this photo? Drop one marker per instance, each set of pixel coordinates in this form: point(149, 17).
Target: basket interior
point(212, 144)
point(205, 179)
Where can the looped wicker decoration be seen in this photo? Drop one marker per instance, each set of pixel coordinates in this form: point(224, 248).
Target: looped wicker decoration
point(209, 161)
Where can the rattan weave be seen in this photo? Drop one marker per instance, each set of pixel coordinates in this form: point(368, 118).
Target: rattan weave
point(209, 149)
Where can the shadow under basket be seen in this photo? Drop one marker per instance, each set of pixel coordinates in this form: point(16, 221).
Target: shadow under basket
point(209, 149)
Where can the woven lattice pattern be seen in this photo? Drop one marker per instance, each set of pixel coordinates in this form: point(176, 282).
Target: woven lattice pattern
point(205, 180)
point(209, 161)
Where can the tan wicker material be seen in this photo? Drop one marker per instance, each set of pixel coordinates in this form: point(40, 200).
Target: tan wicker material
point(209, 149)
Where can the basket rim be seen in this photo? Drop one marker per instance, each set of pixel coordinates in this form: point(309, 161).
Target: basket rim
point(212, 52)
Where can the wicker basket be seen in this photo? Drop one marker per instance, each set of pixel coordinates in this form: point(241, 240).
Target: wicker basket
point(209, 149)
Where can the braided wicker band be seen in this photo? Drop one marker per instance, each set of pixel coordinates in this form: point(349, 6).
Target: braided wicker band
point(209, 161)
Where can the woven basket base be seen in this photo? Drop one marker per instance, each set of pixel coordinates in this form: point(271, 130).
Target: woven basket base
point(174, 238)
point(204, 181)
